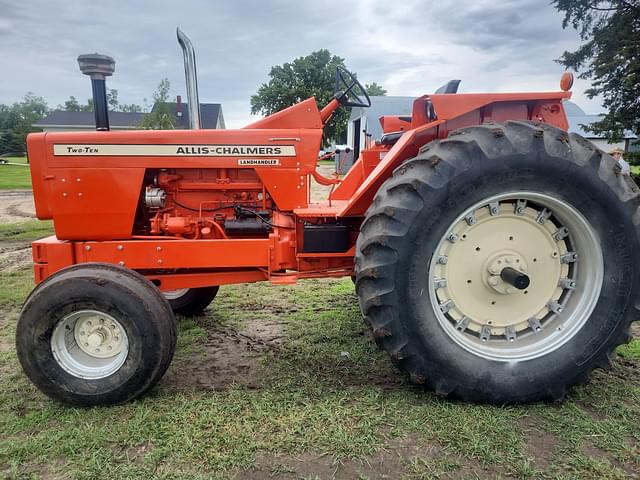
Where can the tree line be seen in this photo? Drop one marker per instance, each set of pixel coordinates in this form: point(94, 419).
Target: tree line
point(16, 120)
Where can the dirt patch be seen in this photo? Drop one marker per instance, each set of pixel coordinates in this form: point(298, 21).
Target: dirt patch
point(133, 453)
point(16, 206)
point(15, 256)
point(539, 445)
point(228, 356)
point(591, 451)
point(408, 456)
point(320, 193)
point(386, 464)
point(43, 471)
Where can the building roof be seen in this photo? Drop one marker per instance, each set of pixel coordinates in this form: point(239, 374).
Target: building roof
point(209, 113)
point(577, 119)
point(61, 118)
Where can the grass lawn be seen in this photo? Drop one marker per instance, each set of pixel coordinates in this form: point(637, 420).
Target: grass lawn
point(15, 176)
point(27, 231)
point(284, 382)
point(635, 169)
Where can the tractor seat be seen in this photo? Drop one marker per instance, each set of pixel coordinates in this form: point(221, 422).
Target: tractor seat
point(450, 87)
point(389, 138)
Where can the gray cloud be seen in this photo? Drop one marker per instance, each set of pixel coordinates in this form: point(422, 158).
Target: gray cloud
point(410, 47)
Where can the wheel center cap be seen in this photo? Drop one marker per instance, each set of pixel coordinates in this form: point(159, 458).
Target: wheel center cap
point(95, 339)
point(496, 263)
point(98, 337)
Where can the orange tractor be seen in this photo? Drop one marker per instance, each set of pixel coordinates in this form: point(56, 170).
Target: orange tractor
point(494, 254)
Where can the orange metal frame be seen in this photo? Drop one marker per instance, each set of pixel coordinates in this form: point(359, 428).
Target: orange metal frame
point(92, 185)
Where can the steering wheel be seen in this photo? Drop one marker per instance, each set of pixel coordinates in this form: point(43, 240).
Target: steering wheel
point(349, 91)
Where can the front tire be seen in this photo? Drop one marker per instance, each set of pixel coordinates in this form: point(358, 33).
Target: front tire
point(190, 302)
point(95, 334)
point(442, 229)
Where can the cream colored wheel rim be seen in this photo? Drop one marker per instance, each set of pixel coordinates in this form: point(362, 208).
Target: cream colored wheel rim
point(545, 240)
point(89, 344)
point(175, 294)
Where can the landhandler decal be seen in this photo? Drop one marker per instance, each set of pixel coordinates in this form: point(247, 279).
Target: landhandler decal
point(112, 150)
point(256, 162)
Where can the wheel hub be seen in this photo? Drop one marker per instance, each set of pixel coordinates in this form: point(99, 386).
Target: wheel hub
point(497, 263)
point(506, 270)
point(98, 336)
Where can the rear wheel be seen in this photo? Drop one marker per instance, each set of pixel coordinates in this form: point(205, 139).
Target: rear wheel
point(95, 334)
point(498, 265)
point(190, 302)
point(516, 275)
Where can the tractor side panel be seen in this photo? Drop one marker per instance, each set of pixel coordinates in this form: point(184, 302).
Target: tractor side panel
point(97, 203)
point(37, 149)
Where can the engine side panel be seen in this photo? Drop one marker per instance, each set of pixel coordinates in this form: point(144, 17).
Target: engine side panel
point(92, 183)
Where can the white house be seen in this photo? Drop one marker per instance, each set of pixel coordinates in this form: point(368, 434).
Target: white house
point(578, 118)
point(364, 123)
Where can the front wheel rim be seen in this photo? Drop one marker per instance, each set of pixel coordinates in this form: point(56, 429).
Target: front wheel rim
point(175, 294)
point(541, 237)
point(90, 344)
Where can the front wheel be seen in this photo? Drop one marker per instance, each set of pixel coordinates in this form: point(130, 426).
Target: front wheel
point(499, 264)
point(190, 302)
point(95, 334)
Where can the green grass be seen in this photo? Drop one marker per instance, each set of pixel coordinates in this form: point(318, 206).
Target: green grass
point(15, 176)
point(631, 350)
point(635, 169)
point(325, 391)
point(26, 231)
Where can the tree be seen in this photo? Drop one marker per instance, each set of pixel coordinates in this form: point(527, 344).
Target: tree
point(17, 121)
point(609, 56)
point(72, 105)
point(112, 100)
point(129, 107)
point(304, 77)
point(374, 89)
point(160, 117)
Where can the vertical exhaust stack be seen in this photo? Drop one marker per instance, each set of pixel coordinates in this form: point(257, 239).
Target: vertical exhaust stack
point(193, 101)
point(98, 67)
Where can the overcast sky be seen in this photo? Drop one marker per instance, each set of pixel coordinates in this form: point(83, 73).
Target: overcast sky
point(409, 47)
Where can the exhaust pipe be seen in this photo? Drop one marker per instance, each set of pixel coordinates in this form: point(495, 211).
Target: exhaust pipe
point(98, 67)
point(191, 78)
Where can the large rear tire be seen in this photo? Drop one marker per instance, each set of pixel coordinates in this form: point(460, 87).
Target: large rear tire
point(433, 250)
point(95, 334)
